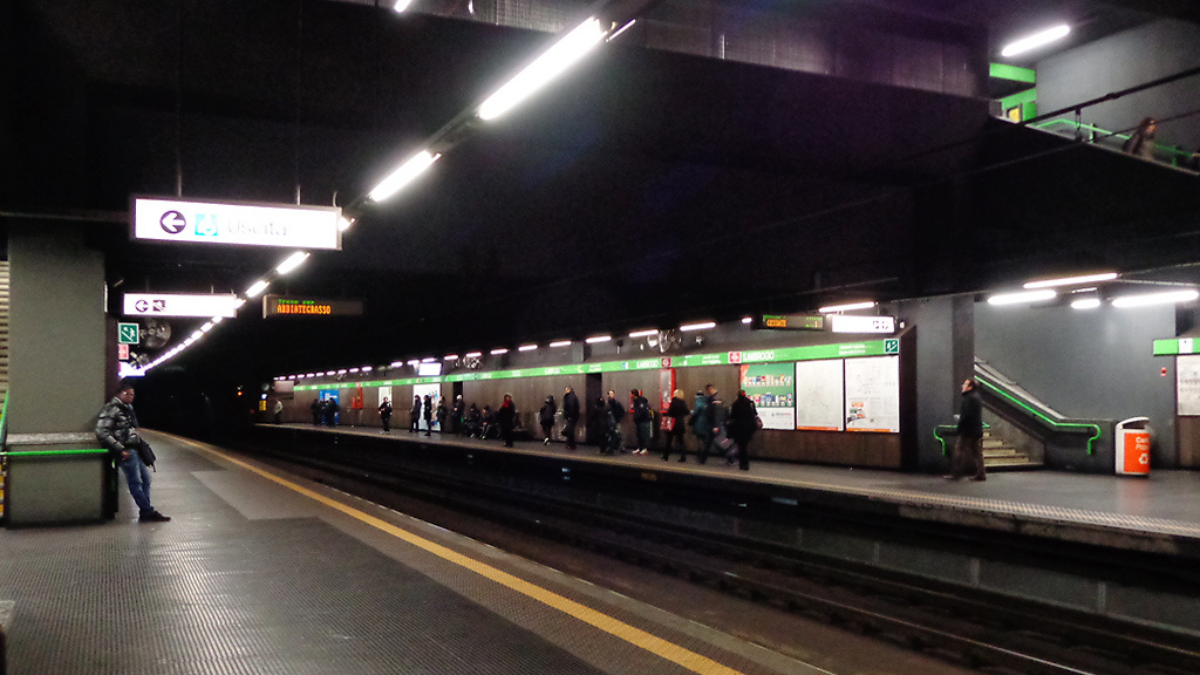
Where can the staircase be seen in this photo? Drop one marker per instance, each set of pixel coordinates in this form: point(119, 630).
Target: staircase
point(998, 455)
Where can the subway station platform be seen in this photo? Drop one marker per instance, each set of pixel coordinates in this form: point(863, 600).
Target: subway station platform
point(260, 572)
point(1156, 514)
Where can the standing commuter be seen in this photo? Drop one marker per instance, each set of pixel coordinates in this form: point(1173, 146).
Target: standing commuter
point(317, 411)
point(385, 414)
point(968, 447)
point(331, 411)
point(616, 413)
point(428, 415)
point(414, 415)
point(743, 422)
point(117, 430)
point(458, 415)
point(677, 413)
point(546, 418)
point(714, 422)
point(441, 414)
point(571, 415)
point(506, 419)
point(278, 411)
point(643, 421)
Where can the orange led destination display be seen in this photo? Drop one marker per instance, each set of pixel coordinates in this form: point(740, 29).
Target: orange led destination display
point(280, 305)
point(788, 322)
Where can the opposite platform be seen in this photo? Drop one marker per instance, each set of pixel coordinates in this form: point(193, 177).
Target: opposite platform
point(259, 572)
point(1158, 514)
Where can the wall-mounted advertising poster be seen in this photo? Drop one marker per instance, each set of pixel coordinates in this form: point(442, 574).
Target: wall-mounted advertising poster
point(873, 394)
point(769, 385)
point(819, 395)
point(1187, 384)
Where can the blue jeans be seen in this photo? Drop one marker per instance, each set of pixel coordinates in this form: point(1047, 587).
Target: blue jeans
point(138, 478)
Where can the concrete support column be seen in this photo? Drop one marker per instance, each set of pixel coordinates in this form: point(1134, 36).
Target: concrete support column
point(57, 338)
point(945, 328)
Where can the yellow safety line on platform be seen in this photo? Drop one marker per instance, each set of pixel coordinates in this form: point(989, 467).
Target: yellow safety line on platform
point(635, 636)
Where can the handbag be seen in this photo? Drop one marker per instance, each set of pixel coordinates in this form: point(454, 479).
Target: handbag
point(147, 455)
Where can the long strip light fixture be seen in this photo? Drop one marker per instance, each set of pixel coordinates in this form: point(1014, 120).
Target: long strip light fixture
point(1072, 281)
point(1038, 39)
point(553, 62)
point(1147, 299)
point(1022, 297)
point(848, 307)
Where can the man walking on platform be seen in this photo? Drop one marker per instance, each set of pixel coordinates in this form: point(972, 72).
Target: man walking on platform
point(969, 445)
point(414, 415)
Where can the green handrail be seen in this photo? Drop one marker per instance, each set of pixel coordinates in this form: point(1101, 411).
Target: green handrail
point(4, 423)
point(1065, 427)
point(1175, 153)
point(51, 453)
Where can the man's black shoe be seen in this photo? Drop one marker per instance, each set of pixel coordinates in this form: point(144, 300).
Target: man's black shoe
point(154, 517)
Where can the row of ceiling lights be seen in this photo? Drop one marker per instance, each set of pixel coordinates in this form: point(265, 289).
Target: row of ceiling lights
point(595, 339)
point(1043, 291)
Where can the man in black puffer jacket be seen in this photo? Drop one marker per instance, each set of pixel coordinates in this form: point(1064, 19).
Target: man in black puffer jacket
point(116, 429)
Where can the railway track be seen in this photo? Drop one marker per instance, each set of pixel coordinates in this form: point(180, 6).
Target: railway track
point(991, 634)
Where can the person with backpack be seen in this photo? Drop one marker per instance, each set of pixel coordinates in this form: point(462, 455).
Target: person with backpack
point(714, 439)
point(643, 420)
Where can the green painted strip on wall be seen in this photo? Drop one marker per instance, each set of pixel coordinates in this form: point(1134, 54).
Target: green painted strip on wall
point(51, 453)
point(1003, 71)
point(811, 353)
point(1020, 98)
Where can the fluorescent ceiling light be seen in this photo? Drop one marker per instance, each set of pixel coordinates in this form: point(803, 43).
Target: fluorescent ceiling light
point(428, 359)
point(565, 53)
point(643, 333)
point(849, 307)
point(499, 351)
point(1086, 303)
point(596, 339)
point(1021, 297)
point(216, 320)
point(560, 343)
point(404, 175)
point(1036, 40)
point(473, 355)
point(258, 287)
point(401, 5)
point(414, 362)
point(239, 303)
point(746, 319)
point(367, 369)
point(342, 371)
point(527, 348)
point(1071, 281)
point(450, 357)
point(196, 336)
point(397, 364)
point(206, 327)
point(689, 327)
point(293, 261)
point(354, 370)
point(616, 34)
point(344, 223)
point(1156, 298)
